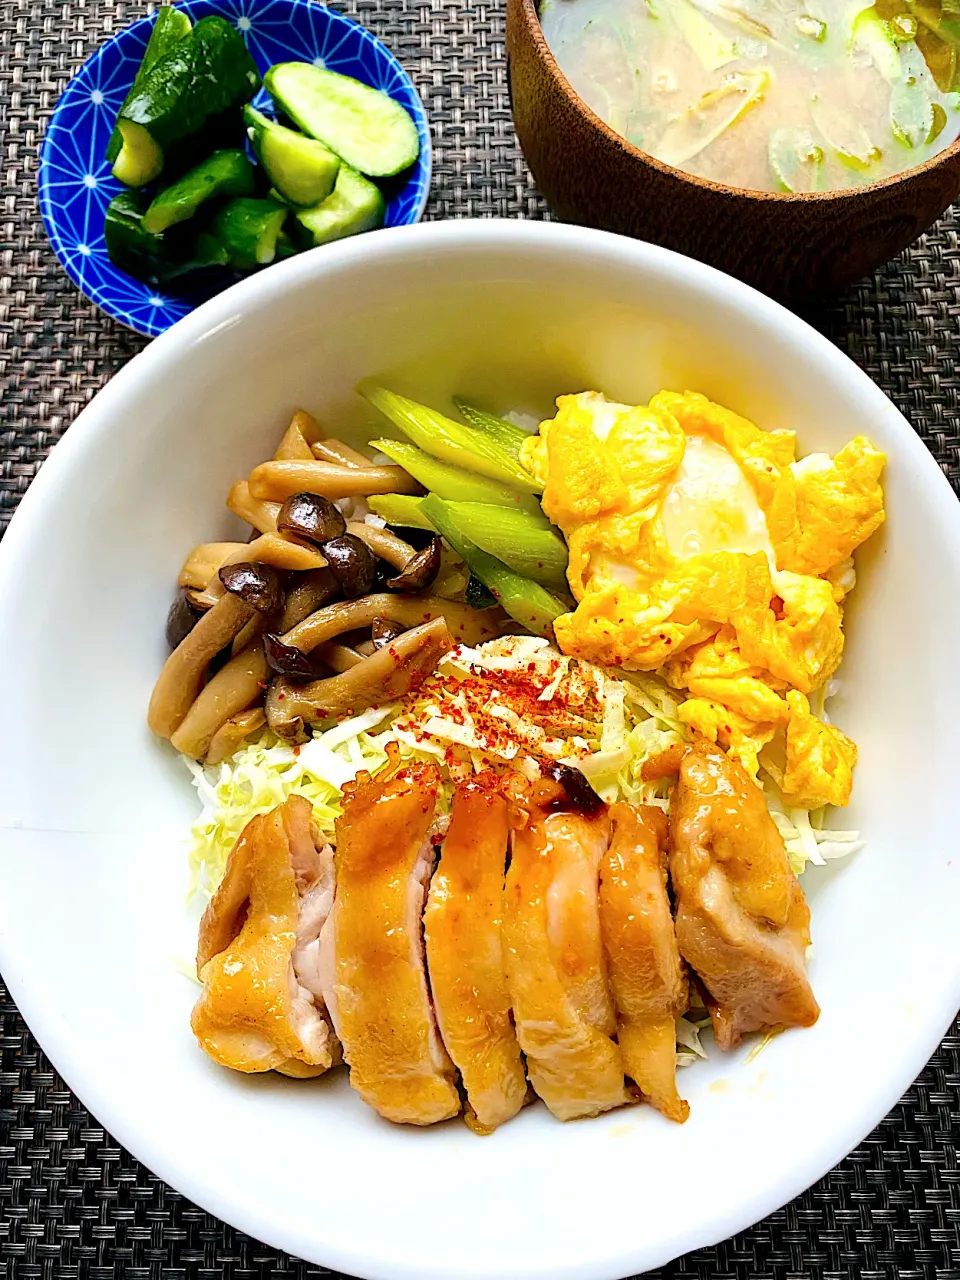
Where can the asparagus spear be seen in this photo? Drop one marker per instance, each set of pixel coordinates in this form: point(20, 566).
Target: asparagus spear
point(525, 601)
point(498, 429)
point(522, 544)
point(451, 441)
point(454, 483)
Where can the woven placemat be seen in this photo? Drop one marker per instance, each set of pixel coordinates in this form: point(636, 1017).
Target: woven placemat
point(72, 1202)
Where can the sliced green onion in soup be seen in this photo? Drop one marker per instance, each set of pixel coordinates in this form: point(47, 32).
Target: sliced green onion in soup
point(795, 159)
point(904, 27)
point(688, 134)
point(737, 16)
point(811, 27)
point(712, 48)
point(872, 36)
point(911, 114)
point(844, 134)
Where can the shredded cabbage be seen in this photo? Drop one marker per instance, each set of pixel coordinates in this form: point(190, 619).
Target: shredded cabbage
point(511, 701)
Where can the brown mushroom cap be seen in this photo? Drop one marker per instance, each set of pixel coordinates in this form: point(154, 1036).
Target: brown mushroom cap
point(206, 559)
point(258, 584)
point(421, 569)
point(182, 617)
point(385, 676)
point(310, 517)
point(287, 660)
point(352, 563)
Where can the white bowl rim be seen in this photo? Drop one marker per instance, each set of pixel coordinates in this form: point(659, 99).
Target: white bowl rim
point(891, 1079)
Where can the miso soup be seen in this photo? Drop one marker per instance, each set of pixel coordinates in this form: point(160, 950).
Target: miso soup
point(775, 95)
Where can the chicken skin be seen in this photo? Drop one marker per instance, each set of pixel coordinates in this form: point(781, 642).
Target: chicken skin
point(555, 966)
point(646, 973)
point(372, 947)
point(742, 922)
point(259, 1010)
point(465, 954)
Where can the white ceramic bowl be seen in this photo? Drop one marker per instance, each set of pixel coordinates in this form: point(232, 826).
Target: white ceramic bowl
point(93, 810)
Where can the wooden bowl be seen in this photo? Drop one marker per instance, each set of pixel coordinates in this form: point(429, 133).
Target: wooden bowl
point(794, 247)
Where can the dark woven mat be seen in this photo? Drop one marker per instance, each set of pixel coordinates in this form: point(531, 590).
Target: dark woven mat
point(73, 1203)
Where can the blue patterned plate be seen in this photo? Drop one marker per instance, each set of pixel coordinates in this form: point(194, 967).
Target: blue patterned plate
point(75, 180)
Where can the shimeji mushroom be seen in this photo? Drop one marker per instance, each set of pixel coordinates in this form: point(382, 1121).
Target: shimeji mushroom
point(183, 673)
point(277, 481)
point(466, 625)
point(384, 676)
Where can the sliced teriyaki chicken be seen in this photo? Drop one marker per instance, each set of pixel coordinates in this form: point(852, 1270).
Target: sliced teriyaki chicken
point(555, 966)
point(742, 922)
point(465, 954)
point(262, 1007)
point(646, 973)
point(372, 947)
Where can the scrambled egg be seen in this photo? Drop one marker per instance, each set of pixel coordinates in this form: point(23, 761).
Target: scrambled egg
point(700, 547)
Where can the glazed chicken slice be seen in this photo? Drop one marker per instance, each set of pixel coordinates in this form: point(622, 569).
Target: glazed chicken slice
point(555, 967)
point(465, 954)
point(742, 922)
point(261, 1007)
point(372, 947)
point(646, 973)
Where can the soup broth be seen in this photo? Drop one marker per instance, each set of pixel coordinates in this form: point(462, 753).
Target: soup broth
point(774, 95)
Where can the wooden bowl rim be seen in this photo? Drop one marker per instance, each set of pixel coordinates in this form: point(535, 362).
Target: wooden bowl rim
point(528, 9)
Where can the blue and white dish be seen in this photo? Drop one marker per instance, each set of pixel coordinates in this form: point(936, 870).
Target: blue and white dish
point(76, 184)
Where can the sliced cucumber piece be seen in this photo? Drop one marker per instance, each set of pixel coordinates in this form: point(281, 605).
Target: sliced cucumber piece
point(150, 257)
point(364, 126)
point(139, 160)
point(172, 24)
point(204, 73)
point(286, 247)
point(225, 173)
point(303, 171)
point(129, 246)
point(355, 205)
point(249, 230)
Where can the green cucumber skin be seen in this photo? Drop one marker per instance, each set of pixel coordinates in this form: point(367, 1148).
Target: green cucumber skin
point(355, 206)
point(149, 257)
point(129, 246)
point(302, 170)
point(172, 25)
point(364, 126)
point(206, 72)
point(225, 173)
point(249, 230)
